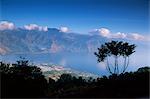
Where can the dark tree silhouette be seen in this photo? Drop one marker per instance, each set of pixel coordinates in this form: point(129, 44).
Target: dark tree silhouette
point(115, 49)
point(22, 62)
point(28, 82)
point(22, 80)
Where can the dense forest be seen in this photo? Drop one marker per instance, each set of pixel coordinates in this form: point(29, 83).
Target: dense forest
point(22, 80)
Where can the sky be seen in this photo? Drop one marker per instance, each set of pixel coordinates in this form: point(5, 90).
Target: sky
point(80, 16)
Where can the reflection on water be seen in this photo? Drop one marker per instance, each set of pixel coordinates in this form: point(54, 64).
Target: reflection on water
point(79, 61)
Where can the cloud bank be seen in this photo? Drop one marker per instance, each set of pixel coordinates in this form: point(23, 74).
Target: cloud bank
point(64, 29)
point(5, 25)
point(104, 32)
point(119, 35)
point(35, 27)
point(136, 36)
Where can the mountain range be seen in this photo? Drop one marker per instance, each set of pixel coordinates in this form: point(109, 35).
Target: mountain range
point(51, 41)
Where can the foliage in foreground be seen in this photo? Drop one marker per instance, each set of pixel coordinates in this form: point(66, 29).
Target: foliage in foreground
point(116, 49)
point(22, 81)
point(133, 84)
point(27, 81)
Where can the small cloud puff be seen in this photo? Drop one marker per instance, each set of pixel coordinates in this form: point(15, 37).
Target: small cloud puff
point(35, 27)
point(64, 29)
point(5, 25)
point(102, 31)
point(119, 35)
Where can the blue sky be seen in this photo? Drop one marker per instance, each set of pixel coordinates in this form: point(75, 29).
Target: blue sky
point(79, 15)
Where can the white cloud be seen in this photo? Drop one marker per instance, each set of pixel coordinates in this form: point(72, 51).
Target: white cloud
point(35, 27)
point(136, 36)
point(106, 33)
point(64, 29)
point(119, 35)
point(45, 28)
point(5, 25)
point(102, 31)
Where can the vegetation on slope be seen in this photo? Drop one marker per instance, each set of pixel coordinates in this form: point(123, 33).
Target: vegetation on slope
point(22, 80)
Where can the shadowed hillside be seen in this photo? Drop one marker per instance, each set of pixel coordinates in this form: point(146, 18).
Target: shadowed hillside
point(22, 80)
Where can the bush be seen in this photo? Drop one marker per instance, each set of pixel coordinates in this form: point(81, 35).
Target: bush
point(22, 81)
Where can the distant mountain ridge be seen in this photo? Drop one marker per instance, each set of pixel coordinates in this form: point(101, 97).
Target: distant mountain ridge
point(51, 41)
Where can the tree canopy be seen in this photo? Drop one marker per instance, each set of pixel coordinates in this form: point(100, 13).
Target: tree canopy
point(115, 49)
point(22, 80)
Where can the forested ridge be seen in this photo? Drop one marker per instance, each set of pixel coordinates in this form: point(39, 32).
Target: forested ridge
point(22, 80)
